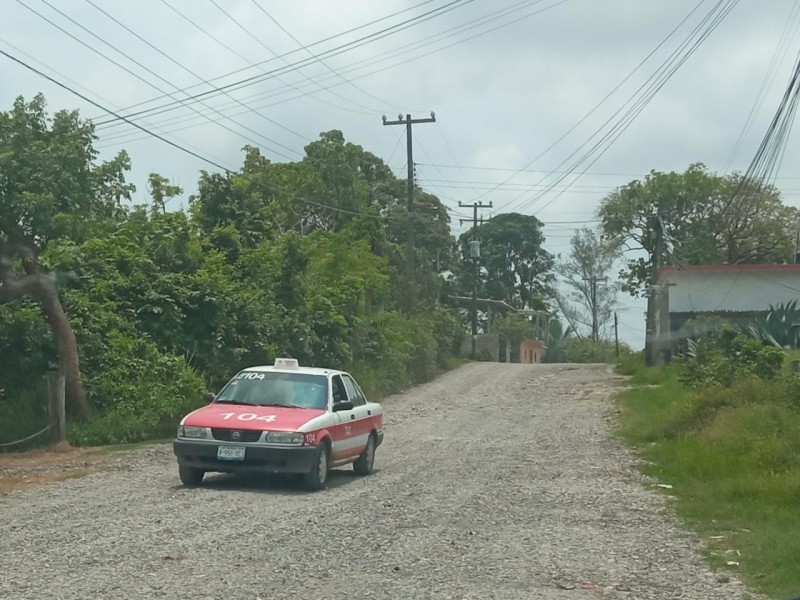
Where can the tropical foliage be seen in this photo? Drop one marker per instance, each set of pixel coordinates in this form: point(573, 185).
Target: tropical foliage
point(302, 259)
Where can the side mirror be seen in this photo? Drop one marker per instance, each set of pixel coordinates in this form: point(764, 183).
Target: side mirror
point(209, 398)
point(342, 406)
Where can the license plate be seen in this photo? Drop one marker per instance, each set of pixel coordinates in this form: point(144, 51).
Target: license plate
point(230, 453)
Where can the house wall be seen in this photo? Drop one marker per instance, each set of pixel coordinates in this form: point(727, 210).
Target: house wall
point(696, 291)
point(530, 351)
point(735, 294)
point(485, 342)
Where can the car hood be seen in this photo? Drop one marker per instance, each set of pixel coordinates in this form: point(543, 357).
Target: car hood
point(247, 417)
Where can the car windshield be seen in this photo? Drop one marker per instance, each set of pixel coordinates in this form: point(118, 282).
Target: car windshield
point(266, 388)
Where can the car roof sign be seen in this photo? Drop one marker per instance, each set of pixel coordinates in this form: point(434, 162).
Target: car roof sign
point(287, 363)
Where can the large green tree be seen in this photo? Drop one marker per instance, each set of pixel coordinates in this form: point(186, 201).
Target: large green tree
point(51, 187)
point(515, 266)
point(705, 221)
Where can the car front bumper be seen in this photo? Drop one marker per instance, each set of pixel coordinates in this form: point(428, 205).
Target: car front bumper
point(262, 459)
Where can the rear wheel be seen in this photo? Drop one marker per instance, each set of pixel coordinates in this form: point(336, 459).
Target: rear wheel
point(363, 466)
point(316, 479)
point(190, 475)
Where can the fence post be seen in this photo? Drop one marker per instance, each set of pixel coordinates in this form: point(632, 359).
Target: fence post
point(56, 395)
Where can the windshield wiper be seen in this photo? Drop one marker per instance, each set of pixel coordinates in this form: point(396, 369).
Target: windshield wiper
point(282, 404)
point(234, 402)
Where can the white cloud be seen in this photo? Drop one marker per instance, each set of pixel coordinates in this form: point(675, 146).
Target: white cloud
point(501, 99)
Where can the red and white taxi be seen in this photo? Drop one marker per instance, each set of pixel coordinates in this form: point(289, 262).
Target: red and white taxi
point(281, 419)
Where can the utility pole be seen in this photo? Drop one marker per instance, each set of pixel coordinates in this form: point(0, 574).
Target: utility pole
point(475, 254)
point(408, 122)
point(658, 241)
point(593, 301)
point(616, 333)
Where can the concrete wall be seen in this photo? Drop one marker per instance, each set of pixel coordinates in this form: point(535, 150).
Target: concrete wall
point(736, 289)
point(488, 342)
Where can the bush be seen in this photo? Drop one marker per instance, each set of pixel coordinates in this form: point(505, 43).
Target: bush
point(143, 392)
point(727, 358)
point(395, 352)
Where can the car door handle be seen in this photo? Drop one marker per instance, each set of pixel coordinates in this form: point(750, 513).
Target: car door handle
point(369, 413)
point(352, 417)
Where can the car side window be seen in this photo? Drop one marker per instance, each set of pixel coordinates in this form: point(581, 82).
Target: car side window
point(355, 394)
point(338, 388)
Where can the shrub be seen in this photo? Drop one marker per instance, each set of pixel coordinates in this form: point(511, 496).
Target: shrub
point(728, 358)
point(143, 392)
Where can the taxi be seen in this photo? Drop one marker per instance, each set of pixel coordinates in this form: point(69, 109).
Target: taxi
point(282, 418)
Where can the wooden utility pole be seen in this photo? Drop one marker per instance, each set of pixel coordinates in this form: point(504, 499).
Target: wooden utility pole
point(593, 301)
point(474, 251)
point(408, 122)
point(616, 333)
point(55, 406)
point(650, 345)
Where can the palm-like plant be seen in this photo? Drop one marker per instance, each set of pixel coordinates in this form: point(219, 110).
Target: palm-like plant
point(779, 327)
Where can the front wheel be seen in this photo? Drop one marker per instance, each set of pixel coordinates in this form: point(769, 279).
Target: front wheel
point(190, 475)
point(316, 479)
point(363, 466)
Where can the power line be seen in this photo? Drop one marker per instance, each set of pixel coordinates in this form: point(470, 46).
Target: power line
point(180, 147)
point(167, 107)
point(610, 94)
point(91, 48)
point(322, 62)
point(769, 78)
point(111, 112)
point(188, 70)
point(248, 81)
point(436, 38)
point(318, 42)
point(286, 62)
point(651, 87)
point(78, 85)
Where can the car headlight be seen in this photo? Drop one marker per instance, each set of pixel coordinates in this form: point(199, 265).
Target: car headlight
point(192, 432)
point(284, 437)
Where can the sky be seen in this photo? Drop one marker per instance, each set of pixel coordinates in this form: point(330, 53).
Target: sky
point(523, 90)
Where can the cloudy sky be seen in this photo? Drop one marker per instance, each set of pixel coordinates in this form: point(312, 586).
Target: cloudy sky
point(542, 106)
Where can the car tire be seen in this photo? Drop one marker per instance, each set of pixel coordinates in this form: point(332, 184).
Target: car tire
point(316, 479)
point(190, 475)
point(363, 466)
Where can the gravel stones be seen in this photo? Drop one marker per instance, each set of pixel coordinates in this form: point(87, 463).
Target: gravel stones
point(495, 481)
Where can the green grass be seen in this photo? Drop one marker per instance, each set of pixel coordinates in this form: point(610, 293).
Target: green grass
point(733, 459)
point(454, 362)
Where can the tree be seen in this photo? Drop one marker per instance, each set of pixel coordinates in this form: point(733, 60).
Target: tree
point(517, 268)
point(50, 187)
point(585, 272)
point(162, 191)
point(705, 222)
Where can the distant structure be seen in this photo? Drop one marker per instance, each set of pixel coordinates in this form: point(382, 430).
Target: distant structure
point(528, 349)
point(735, 293)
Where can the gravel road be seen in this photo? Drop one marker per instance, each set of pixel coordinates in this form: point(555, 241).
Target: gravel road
point(495, 481)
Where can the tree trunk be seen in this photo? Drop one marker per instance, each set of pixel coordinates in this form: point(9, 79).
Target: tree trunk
point(42, 288)
point(67, 345)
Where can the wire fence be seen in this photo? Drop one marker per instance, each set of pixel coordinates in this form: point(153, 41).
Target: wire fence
point(21, 416)
point(30, 437)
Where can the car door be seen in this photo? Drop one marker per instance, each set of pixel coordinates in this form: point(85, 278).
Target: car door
point(363, 413)
point(344, 432)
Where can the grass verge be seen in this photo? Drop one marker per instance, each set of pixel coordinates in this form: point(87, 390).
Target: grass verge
point(732, 456)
